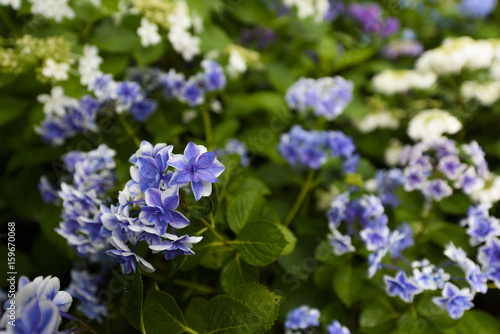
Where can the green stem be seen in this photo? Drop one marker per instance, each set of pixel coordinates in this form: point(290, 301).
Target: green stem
point(207, 123)
point(212, 228)
point(130, 131)
point(308, 183)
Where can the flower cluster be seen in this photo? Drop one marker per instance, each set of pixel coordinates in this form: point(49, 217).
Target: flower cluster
point(372, 20)
point(85, 287)
point(92, 175)
point(477, 8)
point(312, 149)
point(37, 306)
point(147, 206)
point(305, 9)
point(305, 318)
point(437, 166)
point(431, 124)
point(193, 90)
point(234, 146)
point(327, 96)
point(391, 82)
point(366, 218)
point(402, 47)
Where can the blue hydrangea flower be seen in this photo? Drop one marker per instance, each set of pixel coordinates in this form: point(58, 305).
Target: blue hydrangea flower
point(53, 131)
point(192, 93)
point(454, 300)
point(481, 226)
point(49, 194)
point(213, 75)
point(477, 8)
point(302, 317)
point(141, 110)
point(476, 278)
point(38, 304)
point(489, 254)
point(197, 166)
point(341, 243)
point(127, 259)
point(387, 183)
point(152, 169)
point(128, 92)
point(401, 286)
point(438, 189)
point(175, 245)
point(160, 210)
point(404, 241)
point(336, 328)
point(84, 287)
point(172, 83)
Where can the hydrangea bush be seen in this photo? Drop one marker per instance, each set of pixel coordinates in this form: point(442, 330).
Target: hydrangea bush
point(295, 166)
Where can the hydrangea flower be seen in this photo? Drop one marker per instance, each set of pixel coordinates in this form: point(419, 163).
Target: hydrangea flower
point(213, 75)
point(401, 286)
point(477, 8)
point(302, 317)
point(38, 304)
point(84, 287)
point(175, 245)
point(152, 168)
point(160, 210)
point(127, 259)
point(454, 300)
point(336, 328)
point(197, 166)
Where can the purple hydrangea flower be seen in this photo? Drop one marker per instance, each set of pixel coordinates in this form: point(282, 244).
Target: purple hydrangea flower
point(213, 75)
point(141, 110)
point(128, 92)
point(477, 8)
point(160, 210)
point(84, 287)
point(152, 169)
point(197, 166)
point(192, 93)
point(401, 286)
point(454, 300)
point(172, 83)
point(48, 192)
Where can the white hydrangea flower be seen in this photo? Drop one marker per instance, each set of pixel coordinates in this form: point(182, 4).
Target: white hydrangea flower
point(392, 152)
point(52, 9)
point(57, 71)
point(431, 124)
point(88, 65)
point(486, 93)
point(148, 32)
point(378, 120)
point(15, 4)
point(179, 36)
point(56, 102)
point(237, 64)
point(490, 192)
point(316, 9)
point(401, 81)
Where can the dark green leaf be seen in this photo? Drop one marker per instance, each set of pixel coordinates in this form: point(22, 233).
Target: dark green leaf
point(132, 300)
point(236, 272)
point(162, 315)
point(202, 208)
point(225, 314)
point(244, 207)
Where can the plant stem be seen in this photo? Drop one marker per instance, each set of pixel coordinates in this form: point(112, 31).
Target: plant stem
point(195, 286)
point(8, 22)
point(302, 195)
point(75, 319)
point(207, 123)
point(209, 226)
point(130, 131)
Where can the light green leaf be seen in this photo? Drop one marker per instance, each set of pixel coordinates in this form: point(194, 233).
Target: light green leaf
point(264, 302)
point(236, 272)
point(245, 206)
point(348, 285)
point(259, 243)
point(226, 314)
point(113, 38)
point(162, 315)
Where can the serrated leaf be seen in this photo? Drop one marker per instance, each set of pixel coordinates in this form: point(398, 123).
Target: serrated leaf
point(195, 313)
point(413, 323)
point(162, 314)
point(259, 243)
point(226, 314)
point(202, 208)
point(348, 285)
point(132, 301)
point(237, 272)
point(242, 208)
point(264, 302)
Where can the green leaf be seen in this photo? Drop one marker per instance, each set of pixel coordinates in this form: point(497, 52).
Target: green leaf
point(376, 313)
point(245, 206)
point(236, 272)
point(132, 301)
point(290, 238)
point(225, 314)
point(475, 322)
point(348, 285)
point(264, 303)
point(249, 184)
point(11, 108)
point(213, 38)
point(112, 38)
point(162, 315)
point(195, 313)
point(202, 208)
point(280, 76)
point(150, 54)
point(456, 204)
point(259, 243)
point(413, 323)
